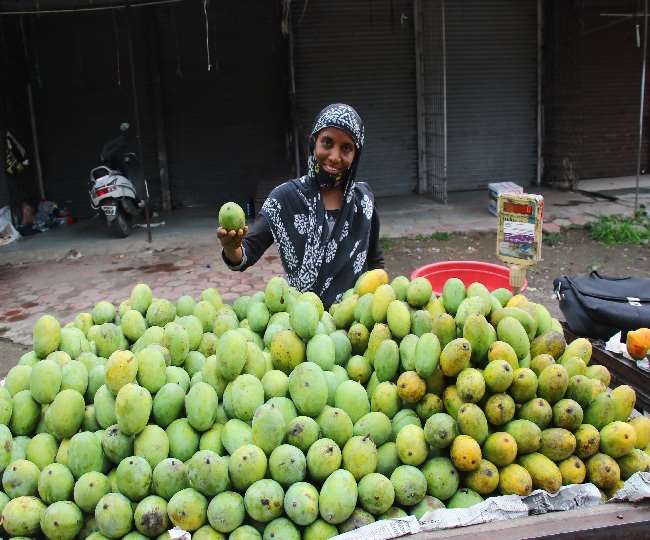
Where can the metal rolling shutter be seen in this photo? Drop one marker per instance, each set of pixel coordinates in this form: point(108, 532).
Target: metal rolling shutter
point(491, 92)
point(362, 53)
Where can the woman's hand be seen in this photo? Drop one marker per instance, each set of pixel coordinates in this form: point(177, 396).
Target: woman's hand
point(231, 242)
point(231, 239)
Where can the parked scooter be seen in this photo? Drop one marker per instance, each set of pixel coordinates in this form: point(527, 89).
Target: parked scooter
point(111, 191)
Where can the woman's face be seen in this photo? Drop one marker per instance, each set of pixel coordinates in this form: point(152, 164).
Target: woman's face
point(334, 150)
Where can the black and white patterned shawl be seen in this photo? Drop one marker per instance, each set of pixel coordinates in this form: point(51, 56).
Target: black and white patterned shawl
point(315, 260)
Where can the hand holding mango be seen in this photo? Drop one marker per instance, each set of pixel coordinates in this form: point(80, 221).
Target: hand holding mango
point(232, 226)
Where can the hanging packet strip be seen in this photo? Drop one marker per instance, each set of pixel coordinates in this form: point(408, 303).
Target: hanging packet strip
point(519, 232)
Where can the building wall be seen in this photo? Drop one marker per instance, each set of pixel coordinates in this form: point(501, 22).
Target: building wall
point(227, 130)
point(434, 44)
point(592, 91)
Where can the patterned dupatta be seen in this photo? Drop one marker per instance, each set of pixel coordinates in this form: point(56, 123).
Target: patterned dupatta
point(315, 260)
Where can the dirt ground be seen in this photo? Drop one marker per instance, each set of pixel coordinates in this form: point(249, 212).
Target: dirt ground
point(9, 354)
point(574, 252)
point(67, 287)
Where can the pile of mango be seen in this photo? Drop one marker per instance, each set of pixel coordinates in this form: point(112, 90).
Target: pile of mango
point(274, 418)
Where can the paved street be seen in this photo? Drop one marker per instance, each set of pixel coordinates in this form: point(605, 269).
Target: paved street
point(68, 270)
point(66, 288)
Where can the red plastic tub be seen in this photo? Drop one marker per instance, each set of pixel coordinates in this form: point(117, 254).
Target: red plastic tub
point(493, 276)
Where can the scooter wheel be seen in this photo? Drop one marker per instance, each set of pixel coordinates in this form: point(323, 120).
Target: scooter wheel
point(122, 225)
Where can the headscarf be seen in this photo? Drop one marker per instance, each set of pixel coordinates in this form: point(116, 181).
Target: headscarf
point(315, 260)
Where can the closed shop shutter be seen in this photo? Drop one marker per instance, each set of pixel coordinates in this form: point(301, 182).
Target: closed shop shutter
point(362, 54)
point(491, 92)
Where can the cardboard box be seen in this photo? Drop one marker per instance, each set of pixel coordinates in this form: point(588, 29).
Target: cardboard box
point(496, 188)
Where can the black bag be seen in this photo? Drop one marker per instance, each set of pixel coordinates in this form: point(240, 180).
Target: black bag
point(598, 306)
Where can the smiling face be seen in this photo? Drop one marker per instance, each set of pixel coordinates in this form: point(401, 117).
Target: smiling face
point(334, 150)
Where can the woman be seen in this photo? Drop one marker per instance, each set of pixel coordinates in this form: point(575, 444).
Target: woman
point(325, 223)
